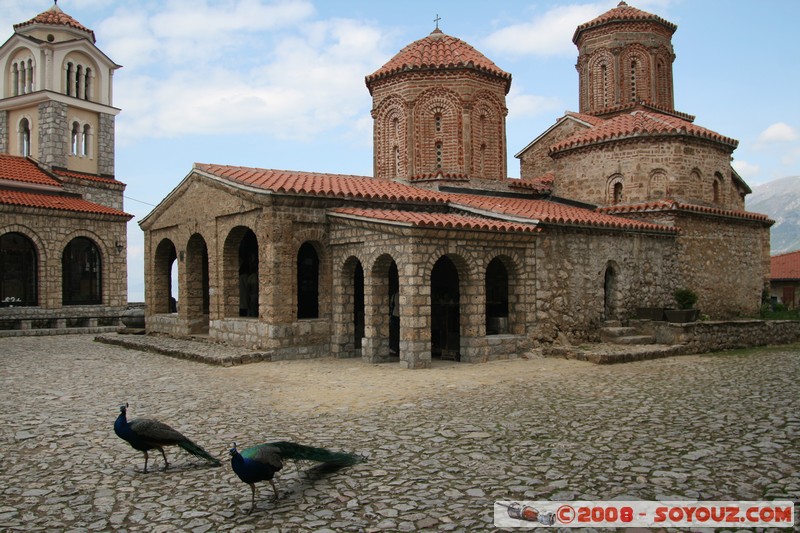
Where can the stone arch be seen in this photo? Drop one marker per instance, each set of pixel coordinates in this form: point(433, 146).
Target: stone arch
point(350, 317)
point(83, 284)
point(163, 300)
point(381, 283)
point(448, 300)
point(237, 270)
point(657, 186)
point(308, 281)
point(512, 308)
point(391, 149)
point(19, 269)
point(196, 286)
point(487, 137)
point(601, 80)
point(635, 74)
point(615, 193)
point(612, 296)
point(438, 142)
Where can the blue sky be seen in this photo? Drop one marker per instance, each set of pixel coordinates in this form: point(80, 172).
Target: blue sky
point(280, 84)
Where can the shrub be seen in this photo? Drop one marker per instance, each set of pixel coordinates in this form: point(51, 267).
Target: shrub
point(685, 298)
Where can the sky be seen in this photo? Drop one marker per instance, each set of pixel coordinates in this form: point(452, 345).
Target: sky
point(280, 83)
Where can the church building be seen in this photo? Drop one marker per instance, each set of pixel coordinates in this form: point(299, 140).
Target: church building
point(439, 254)
point(62, 228)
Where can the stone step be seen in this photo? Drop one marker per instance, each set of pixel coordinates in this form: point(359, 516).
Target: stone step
point(608, 334)
point(634, 339)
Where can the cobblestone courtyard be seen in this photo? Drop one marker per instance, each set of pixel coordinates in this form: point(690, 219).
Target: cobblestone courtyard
point(442, 444)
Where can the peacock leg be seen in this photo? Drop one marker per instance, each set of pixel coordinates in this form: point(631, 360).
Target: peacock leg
point(166, 463)
point(145, 461)
point(275, 490)
point(253, 499)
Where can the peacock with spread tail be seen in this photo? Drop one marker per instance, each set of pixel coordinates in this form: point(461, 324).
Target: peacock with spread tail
point(145, 434)
point(261, 462)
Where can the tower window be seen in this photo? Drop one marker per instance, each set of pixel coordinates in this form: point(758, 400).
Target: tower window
point(604, 81)
point(25, 137)
point(74, 139)
point(439, 155)
point(437, 120)
point(633, 81)
point(617, 193)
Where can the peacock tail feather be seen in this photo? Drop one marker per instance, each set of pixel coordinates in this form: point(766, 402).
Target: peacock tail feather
point(300, 452)
point(194, 449)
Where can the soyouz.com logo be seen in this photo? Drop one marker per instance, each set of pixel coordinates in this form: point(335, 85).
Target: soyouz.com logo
point(608, 513)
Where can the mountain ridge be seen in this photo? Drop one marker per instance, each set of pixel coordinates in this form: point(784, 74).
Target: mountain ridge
point(780, 200)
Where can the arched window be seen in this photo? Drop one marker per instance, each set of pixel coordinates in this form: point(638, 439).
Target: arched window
point(24, 137)
point(633, 80)
point(604, 81)
point(74, 141)
point(438, 155)
point(614, 191)
point(15, 78)
point(81, 273)
point(307, 282)
point(19, 271)
point(87, 85)
point(248, 275)
point(85, 140)
point(437, 121)
point(69, 77)
point(496, 298)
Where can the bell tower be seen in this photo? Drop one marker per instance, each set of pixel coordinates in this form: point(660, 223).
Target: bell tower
point(56, 98)
point(625, 57)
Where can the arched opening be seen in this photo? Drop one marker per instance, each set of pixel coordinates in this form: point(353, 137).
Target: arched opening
point(197, 285)
point(394, 311)
point(24, 137)
point(610, 289)
point(445, 310)
point(19, 271)
point(81, 273)
point(248, 275)
point(358, 305)
point(307, 282)
point(496, 298)
point(165, 288)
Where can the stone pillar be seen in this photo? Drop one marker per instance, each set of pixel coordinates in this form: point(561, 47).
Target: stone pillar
point(5, 134)
point(53, 136)
point(105, 144)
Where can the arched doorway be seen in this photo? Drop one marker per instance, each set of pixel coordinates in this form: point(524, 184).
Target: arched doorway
point(197, 294)
point(358, 305)
point(394, 311)
point(248, 275)
point(165, 289)
point(610, 293)
point(307, 282)
point(19, 271)
point(81, 273)
point(445, 310)
point(496, 298)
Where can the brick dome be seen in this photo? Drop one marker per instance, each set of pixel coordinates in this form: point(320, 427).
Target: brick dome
point(56, 17)
point(623, 13)
point(438, 51)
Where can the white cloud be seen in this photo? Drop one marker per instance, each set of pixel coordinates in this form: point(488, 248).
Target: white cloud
point(746, 170)
point(778, 132)
point(547, 34)
point(309, 80)
point(531, 105)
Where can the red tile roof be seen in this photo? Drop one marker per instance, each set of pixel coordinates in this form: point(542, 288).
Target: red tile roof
point(55, 201)
point(785, 266)
point(437, 220)
point(673, 205)
point(549, 212)
point(24, 170)
point(622, 13)
point(333, 185)
point(639, 123)
point(438, 51)
point(54, 16)
point(84, 176)
point(542, 184)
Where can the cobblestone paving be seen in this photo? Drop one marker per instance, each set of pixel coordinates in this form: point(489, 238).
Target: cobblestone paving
point(715, 427)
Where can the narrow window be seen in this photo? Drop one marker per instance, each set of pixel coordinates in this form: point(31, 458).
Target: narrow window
point(604, 81)
point(30, 76)
point(15, 76)
point(439, 155)
point(617, 193)
point(75, 138)
point(397, 161)
point(85, 138)
point(633, 81)
point(87, 87)
point(25, 137)
point(307, 282)
point(69, 79)
point(78, 80)
point(437, 120)
point(496, 298)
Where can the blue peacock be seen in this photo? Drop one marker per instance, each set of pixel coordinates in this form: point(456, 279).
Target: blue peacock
point(145, 434)
point(261, 462)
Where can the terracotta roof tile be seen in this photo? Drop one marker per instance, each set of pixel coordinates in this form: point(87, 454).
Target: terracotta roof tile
point(542, 184)
point(84, 176)
point(55, 201)
point(622, 13)
point(438, 220)
point(333, 185)
point(639, 123)
point(440, 51)
point(785, 266)
point(55, 16)
point(22, 169)
point(672, 205)
point(549, 212)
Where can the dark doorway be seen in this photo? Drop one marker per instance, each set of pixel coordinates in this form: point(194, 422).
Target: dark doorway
point(358, 304)
point(307, 282)
point(496, 298)
point(81, 273)
point(445, 311)
point(18, 271)
point(248, 275)
point(610, 293)
point(394, 311)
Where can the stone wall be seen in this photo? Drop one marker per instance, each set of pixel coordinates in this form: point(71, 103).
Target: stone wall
point(710, 336)
point(53, 136)
point(570, 278)
point(535, 160)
